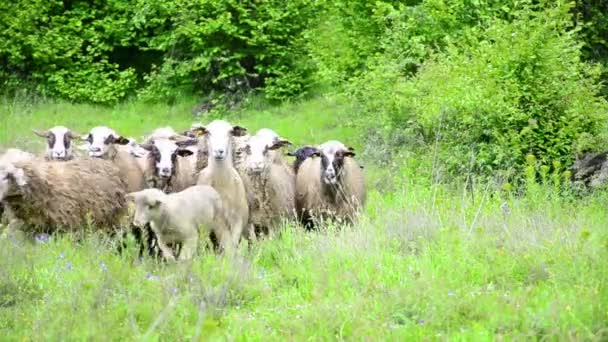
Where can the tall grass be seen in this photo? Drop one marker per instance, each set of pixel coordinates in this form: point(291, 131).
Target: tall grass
point(424, 262)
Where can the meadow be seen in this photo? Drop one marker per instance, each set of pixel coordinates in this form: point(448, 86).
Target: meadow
point(426, 261)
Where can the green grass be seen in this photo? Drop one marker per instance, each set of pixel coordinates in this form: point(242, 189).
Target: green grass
point(425, 262)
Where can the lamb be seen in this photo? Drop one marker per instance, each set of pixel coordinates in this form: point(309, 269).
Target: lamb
point(221, 175)
point(102, 143)
point(48, 197)
point(270, 182)
point(330, 185)
point(59, 140)
point(176, 218)
point(170, 164)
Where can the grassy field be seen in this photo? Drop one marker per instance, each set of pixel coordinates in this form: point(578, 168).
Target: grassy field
point(425, 262)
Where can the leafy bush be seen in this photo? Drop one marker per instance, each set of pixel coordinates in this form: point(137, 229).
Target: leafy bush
point(495, 95)
point(103, 51)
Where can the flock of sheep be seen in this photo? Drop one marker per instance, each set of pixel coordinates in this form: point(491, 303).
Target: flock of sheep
point(169, 190)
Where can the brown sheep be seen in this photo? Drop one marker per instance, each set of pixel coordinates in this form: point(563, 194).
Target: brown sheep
point(330, 185)
point(48, 196)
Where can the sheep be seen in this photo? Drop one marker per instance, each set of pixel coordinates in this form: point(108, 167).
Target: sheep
point(301, 154)
point(48, 196)
point(330, 185)
point(176, 218)
point(102, 143)
point(221, 175)
point(170, 164)
point(59, 140)
point(270, 181)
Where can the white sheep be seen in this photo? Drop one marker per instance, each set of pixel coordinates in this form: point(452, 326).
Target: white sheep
point(221, 175)
point(330, 185)
point(59, 141)
point(270, 181)
point(102, 143)
point(177, 218)
point(170, 163)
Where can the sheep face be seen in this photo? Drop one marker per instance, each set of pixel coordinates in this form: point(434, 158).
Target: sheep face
point(59, 141)
point(332, 156)
point(100, 139)
point(257, 150)
point(303, 153)
point(218, 135)
point(147, 206)
point(165, 152)
point(11, 178)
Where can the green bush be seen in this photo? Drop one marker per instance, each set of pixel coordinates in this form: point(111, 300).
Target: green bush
point(104, 51)
point(495, 95)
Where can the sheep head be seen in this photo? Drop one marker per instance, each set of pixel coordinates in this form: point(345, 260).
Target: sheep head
point(59, 140)
point(100, 139)
point(332, 155)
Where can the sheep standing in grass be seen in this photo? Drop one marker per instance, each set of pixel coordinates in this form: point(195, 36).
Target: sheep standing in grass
point(330, 185)
point(221, 175)
point(270, 181)
point(177, 218)
point(48, 196)
point(102, 143)
point(59, 141)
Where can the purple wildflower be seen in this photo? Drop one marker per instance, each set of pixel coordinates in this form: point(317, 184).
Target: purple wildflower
point(103, 266)
point(42, 238)
point(421, 322)
point(68, 266)
point(450, 293)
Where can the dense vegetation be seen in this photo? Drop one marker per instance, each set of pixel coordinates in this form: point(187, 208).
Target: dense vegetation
point(466, 114)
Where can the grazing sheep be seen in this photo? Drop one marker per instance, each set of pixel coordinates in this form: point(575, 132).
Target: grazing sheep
point(270, 182)
point(176, 218)
point(59, 141)
point(48, 196)
point(102, 143)
point(221, 175)
point(330, 185)
point(171, 166)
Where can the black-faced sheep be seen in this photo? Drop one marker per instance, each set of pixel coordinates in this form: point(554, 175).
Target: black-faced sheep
point(221, 175)
point(270, 181)
point(330, 185)
point(59, 141)
point(48, 196)
point(177, 218)
point(301, 154)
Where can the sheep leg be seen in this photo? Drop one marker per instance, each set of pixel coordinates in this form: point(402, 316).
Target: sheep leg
point(188, 249)
point(166, 250)
point(224, 239)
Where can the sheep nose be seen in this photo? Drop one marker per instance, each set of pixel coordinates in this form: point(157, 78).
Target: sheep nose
point(94, 149)
point(220, 152)
point(165, 171)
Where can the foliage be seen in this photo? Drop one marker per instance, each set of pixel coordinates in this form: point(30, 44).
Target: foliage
point(494, 95)
point(101, 52)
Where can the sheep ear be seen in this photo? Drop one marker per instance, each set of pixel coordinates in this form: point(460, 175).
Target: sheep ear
point(350, 149)
point(199, 131)
point(184, 152)
point(121, 141)
point(239, 131)
point(278, 144)
point(349, 154)
point(147, 147)
point(291, 154)
point(73, 135)
point(316, 154)
point(41, 134)
point(85, 137)
point(185, 142)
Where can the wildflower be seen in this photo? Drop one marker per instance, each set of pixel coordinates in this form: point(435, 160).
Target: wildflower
point(42, 238)
point(450, 293)
point(61, 255)
point(151, 277)
point(68, 266)
point(421, 322)
point(174, 290)
point(103, 266)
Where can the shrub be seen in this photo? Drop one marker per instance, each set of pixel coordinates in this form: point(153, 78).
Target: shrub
point(105, 50)
point(495, 95)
